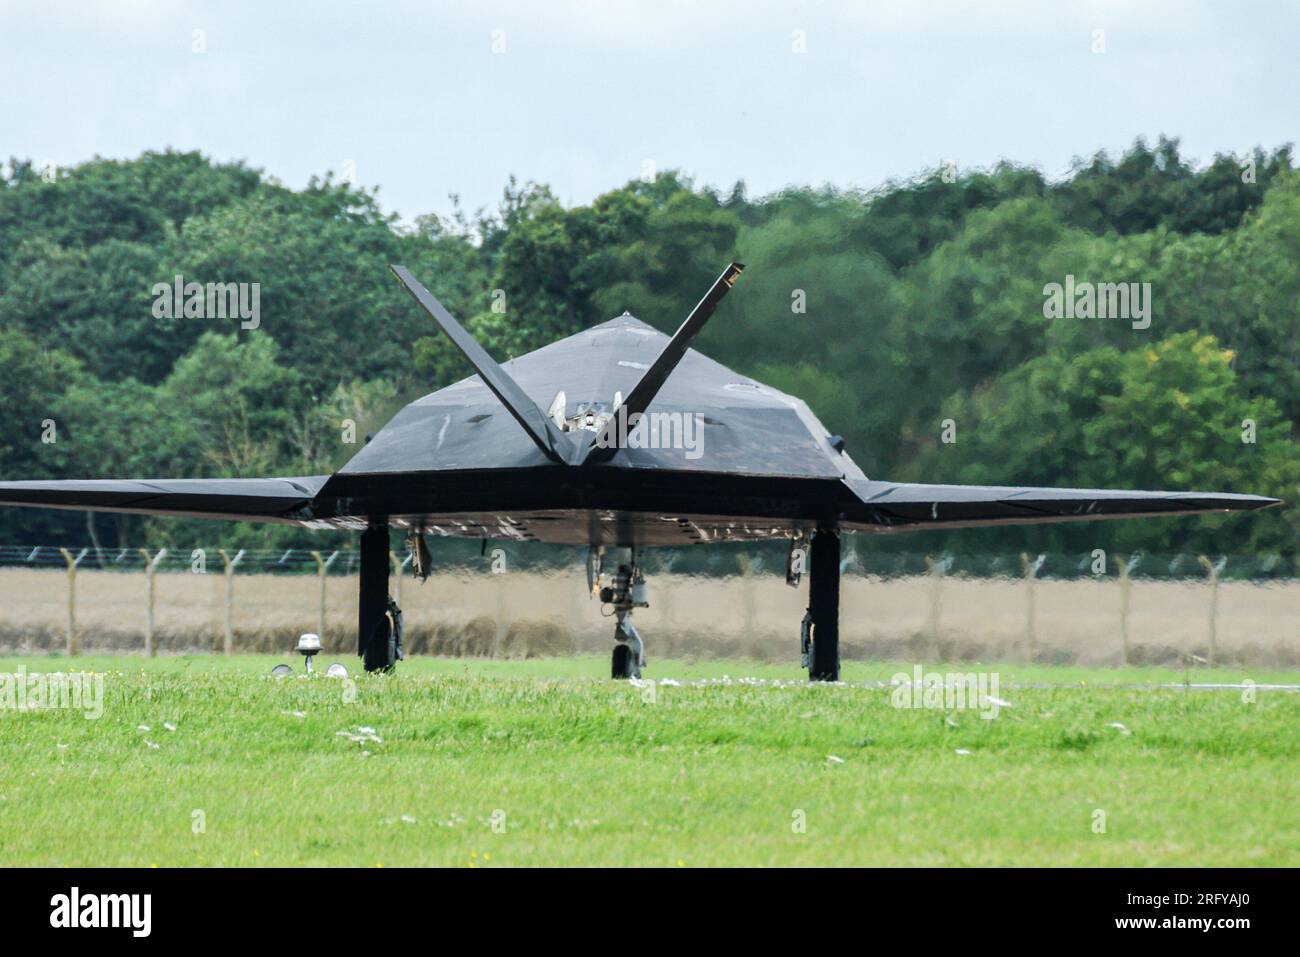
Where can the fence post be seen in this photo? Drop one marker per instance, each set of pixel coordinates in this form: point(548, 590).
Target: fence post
point(322, 570)
point(398, 565)
point(747, 590)
point(1126, 565)
point(73, 645)
point(664, 594)
point(230, 563)
point(150, 567)
point(937, 569)
point(1031, 571)
point(499, 635)
point(1212, 569)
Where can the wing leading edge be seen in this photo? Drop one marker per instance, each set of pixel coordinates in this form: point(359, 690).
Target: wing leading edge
point(258, 499)
point(882, 506)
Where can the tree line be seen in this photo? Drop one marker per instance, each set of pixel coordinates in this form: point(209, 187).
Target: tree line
point(911, 318)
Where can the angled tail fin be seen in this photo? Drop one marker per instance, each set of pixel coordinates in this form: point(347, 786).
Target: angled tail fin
point(554, 444)
point(639, 399)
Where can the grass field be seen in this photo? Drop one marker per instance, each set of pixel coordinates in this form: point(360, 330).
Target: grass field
point(545, 762)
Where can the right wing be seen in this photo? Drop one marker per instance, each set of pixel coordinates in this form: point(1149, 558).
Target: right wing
point(885, 505)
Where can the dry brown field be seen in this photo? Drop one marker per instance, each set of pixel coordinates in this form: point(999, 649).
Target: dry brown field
point(525, 614)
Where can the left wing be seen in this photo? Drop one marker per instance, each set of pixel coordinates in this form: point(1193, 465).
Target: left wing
point(881, 506)
point(257, 499)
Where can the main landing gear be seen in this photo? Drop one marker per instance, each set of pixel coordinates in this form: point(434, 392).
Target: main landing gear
point(379, 620)
point(821, 631)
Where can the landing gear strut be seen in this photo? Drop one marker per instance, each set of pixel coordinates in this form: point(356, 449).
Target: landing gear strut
point(821, 642)
point(378, 640)
point(626, 592)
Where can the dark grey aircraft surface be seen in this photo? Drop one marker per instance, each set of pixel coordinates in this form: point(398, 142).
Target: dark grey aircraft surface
point(618, 437)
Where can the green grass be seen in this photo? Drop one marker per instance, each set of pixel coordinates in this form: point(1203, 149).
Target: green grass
point(583, 770)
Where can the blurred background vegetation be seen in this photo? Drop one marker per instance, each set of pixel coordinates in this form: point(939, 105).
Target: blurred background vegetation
point(924, 302)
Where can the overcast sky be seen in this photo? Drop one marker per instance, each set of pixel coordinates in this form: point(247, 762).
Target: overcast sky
point(426, 99)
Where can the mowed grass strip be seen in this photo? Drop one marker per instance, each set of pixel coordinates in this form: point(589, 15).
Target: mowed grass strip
point(490, 763)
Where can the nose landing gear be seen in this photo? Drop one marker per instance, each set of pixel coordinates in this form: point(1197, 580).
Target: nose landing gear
point(626, 591)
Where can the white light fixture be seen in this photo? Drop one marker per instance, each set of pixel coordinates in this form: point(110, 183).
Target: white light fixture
point(309, 647)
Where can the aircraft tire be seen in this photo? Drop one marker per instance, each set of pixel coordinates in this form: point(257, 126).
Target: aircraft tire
point(381, 649)
point(623, 664)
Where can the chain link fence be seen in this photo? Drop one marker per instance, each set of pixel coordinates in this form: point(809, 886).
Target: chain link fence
point(721, 560)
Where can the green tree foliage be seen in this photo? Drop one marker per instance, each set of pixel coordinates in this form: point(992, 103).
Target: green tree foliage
point(1170, 416)
point(1148, 188)
point(889, 311)
point(240, 405)
point(37, 418)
